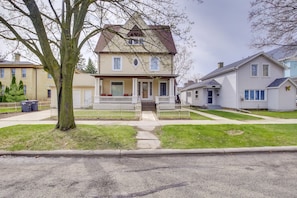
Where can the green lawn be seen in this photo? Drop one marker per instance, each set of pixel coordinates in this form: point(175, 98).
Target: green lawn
point(284, 115)
point(231, 115)
point(85, 137)
point(226, 136)
point(171, 115)
point(90, 114)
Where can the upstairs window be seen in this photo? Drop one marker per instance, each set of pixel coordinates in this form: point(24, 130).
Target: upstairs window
point(254, 69)
point(265, 70)
point(24, 73)
point(117, 64)
point(2, 73)
point(154, 65)
point(13, 72)
point(135, 41)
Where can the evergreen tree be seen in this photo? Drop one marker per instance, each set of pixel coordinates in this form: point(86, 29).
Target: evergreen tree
point(90, 67)
point(14, 93)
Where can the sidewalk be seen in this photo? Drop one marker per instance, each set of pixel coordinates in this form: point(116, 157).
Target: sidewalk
point(147, 143)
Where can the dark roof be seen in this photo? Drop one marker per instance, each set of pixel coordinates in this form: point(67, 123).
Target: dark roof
point(207, 83)
point(161, 31)
point(279, 81)
point(236, 65)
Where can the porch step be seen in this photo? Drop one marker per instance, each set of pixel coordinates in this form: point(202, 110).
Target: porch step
point(148, 106)
point(214, 107)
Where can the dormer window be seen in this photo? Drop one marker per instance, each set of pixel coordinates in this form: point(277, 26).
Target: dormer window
point(135, 36)
point(135, 41)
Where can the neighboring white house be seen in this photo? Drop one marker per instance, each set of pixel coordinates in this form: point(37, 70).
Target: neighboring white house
point(246, 84)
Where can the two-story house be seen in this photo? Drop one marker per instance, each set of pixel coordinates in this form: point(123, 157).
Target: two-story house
point(135, 66)
point(256, 82)
point(36, 81)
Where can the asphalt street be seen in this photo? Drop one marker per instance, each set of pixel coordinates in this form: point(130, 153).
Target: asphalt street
point(249, 175)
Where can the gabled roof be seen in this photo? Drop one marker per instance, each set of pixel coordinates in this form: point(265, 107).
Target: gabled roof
point(204, 84)
point(163, 33)
point(279, 82)
point(283, 52)
point(234, 66)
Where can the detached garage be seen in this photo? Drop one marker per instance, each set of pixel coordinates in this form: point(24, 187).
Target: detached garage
point(83, 91)
point(281, 95)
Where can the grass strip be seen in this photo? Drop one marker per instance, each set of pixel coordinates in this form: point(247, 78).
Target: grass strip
point(84, 137)
point(231, 115)
point(275, 114)
point(226, 136)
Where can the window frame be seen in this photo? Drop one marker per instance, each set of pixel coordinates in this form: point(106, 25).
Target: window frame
point(13, 71)
point(113, 63)
point(161, 88)
point(2, 72)
point(24, 72)
point(158, 63)
point(252, 70)
point(254, 95)
point(268, 70)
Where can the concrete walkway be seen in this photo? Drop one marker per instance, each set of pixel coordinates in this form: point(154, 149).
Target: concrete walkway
point(146, 140)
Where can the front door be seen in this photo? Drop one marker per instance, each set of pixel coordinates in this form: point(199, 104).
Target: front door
point(209, 96)
point(145, 89)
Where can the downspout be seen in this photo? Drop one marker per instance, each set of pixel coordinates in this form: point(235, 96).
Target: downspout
point(237, 91)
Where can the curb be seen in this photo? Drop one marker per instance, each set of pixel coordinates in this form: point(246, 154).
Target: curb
point(148, 152)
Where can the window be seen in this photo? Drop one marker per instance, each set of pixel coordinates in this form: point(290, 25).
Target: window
point(49, 93)
point(135, 41)
point(151, 88)
point(25, 89)
point(117, 63)
point(154, 66)
point(254, 95)
point(13, 72)
point(24, 74)
point(254, 70)
point(2, 73)
point(117, 88)
point(265, 70)
point(135, 62)
point(196, 94)
point(163, 89)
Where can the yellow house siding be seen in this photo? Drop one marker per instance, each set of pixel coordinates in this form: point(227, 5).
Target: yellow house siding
point(143, 67)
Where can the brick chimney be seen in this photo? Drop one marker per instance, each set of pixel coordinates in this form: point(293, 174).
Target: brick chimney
point(220, 64)
point(17, 57)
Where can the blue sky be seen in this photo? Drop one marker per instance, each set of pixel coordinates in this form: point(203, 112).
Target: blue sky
point(221, 31)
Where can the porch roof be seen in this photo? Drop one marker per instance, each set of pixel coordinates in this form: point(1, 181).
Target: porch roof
point(135, 75)
point(204, 84)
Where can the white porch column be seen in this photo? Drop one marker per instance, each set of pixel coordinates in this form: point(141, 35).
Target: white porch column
point(134, 90)
point(97, 91)
point(171, 91)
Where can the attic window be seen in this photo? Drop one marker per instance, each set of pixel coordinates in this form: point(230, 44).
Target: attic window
point(135, 41)
point(135, 32)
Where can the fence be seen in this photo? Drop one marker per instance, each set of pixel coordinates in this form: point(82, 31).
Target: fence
point(180, 112)
point(7, 107)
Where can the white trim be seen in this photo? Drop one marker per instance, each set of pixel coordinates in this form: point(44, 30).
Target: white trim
point(158, 69)
point(121, 64)
point(251, 69)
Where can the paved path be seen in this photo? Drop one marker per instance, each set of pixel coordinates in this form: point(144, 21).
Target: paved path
point(145, 137)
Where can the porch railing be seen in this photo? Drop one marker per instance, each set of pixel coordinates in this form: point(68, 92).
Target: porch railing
point(116, 99)
point(164, 99)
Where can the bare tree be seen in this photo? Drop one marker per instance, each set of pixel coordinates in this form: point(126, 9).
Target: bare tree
point(56, 31)
point(182, 63)
point(274, 21)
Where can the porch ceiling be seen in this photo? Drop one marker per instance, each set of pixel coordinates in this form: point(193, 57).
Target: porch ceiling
point(135, 75)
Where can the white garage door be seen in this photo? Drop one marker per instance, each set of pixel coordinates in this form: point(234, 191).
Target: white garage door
point(76, 99)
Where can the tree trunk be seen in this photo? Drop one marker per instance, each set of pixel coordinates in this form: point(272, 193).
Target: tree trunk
point(65, 100)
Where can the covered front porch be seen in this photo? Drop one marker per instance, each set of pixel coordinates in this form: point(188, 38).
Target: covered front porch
point(128, 92)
